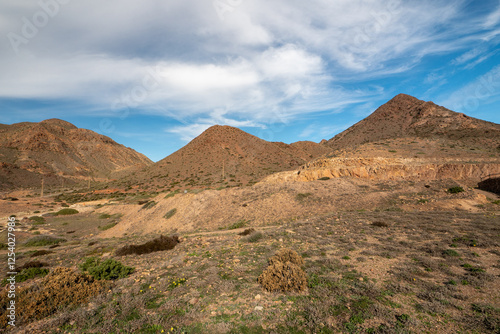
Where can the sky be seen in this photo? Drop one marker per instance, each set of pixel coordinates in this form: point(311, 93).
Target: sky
point(154, 74)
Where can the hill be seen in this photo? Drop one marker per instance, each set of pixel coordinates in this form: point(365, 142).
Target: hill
point(58, 150)
point(408, 117)
point(224, 156)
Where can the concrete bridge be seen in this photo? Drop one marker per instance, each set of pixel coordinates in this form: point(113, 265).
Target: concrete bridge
point(490, 183)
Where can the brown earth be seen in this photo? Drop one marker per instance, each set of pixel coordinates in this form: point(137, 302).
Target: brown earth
point(223, 156)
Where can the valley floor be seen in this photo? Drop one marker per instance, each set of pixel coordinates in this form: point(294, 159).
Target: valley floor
point(409, 264)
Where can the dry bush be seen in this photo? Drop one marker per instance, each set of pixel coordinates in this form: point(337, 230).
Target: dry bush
point(33, 264)
point(41, 252)
point(380, 224)
point(61, 288)
point(284, 272)
point(287, 255)
point(283, 277)
point(159, 244)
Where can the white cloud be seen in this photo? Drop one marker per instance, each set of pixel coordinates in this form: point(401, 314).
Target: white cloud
point(470, 97)
point(263, 61)
point(493, 18)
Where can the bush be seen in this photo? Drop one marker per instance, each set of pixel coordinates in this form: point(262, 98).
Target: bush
point(302, 196)
point(450, 252)
point(41, 252)
point(34, 264)
point(247, 231)
point(287, 255)
point(239, 224)
point(30, 273)
point(456, 190)
point(170, 213)
point(37, 220)
point(254, 237)
point(283, 277)
point(104, 216)
point(43, 240)
point(107, 227)
point(380, 224)
point(149, 205)
point(284, 273)
point(324, 178)
point(109, 269)
point(159, 244)
point(61, 288)
point(65, 212)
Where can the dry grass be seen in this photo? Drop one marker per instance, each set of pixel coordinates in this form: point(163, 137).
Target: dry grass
point(284, 273)
point(61, 288)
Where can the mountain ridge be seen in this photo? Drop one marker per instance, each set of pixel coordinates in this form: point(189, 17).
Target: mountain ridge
point(56, 149)
point(406, 116)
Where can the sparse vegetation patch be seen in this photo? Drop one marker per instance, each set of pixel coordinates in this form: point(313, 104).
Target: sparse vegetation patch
point(456, 190)
point(159, 244)
point(65, 212)
point(109, 269)
point(170, 213)
point(43, 240)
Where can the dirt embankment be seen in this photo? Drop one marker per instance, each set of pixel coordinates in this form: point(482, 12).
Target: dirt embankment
point(390, 169)
point(257, 205)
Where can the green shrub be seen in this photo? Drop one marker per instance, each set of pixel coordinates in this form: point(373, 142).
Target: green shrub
point(109, 269)
point(324, 178)
point(43, 240)
point(172, 194)
point(65, 212)
point(456, 190)
point(239, 224)
point(451, 252)
point(149, 205)
point(37, 220)
point(254, 237)
point(170, 213)
point(108, 226)
point(104, 216)
point(30, 273)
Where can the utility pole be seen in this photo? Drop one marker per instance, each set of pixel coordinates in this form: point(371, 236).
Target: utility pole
point(41, 193)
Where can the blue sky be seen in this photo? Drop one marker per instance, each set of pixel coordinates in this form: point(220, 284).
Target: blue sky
point(154, 74)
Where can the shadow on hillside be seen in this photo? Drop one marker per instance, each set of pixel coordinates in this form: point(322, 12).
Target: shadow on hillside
point(490, 183)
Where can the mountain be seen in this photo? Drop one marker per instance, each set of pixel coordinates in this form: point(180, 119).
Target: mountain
point(406, 116)
point(222, 156)
point(56, 150)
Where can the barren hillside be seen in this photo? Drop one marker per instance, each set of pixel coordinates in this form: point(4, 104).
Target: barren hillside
point(406, 116)
point(222, 156)
point(57, 149)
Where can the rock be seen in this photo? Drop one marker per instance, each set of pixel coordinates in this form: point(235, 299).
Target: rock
point(258, 308)
point(193, 301)
point(258, 297)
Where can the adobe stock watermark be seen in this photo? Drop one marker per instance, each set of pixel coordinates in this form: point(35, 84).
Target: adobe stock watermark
point(487, 86)
point(276, 125)
point(381, 19)
point(222, 7)
point(134, 97)
point(31, 26)
point(11, 274)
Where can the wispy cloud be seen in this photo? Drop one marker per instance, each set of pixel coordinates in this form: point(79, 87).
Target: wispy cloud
point(470, 97)
point(263, 62)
